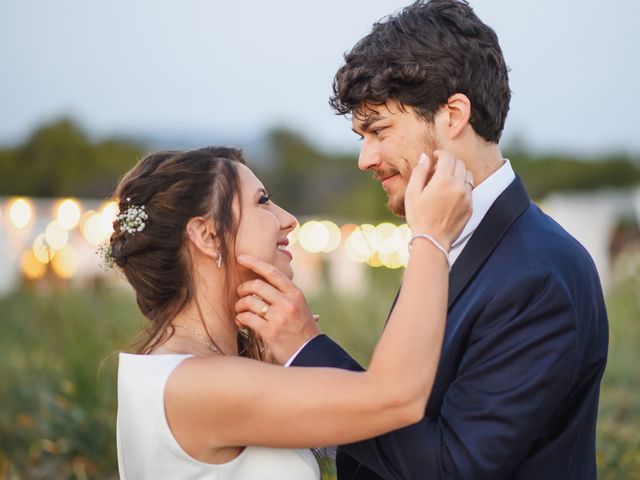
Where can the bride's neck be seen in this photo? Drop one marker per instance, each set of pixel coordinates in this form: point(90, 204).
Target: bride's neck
point(208, 313)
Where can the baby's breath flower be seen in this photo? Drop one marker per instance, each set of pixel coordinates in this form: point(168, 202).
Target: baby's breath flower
point(133, 219)
point(106, 257)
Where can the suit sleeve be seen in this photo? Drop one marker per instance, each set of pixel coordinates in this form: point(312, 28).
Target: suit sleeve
point(322, 351)
point(520, 359)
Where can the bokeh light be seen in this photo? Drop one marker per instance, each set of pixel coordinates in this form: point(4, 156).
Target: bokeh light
point(56, 235)
point(364, 240)
point(68, 213)
point(31, 267)
point(108, 215)
point(90, 226)
point(293, 234)
point(375, 260)
point(334, 236)
point(42, 250)
point(65, 262)
point(386, 237)
point(20, 212)
point(314, 236)
point(391, 260)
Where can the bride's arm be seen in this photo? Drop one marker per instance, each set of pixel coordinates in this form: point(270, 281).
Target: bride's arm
point(231, 401)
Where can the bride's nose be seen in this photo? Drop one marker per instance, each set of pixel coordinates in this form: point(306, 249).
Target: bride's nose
point(287, 220)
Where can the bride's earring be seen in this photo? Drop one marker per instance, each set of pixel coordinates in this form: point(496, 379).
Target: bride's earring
point(219, 260)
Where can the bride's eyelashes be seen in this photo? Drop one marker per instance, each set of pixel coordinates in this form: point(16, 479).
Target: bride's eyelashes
point(264, 198)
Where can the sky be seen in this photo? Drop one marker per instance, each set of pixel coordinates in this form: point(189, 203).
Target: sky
point(213, 70)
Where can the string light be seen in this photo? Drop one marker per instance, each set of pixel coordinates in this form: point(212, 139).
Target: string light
point(68, 213)
point(20, 212)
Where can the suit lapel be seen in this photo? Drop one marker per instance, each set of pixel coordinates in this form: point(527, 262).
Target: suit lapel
point(505, 210)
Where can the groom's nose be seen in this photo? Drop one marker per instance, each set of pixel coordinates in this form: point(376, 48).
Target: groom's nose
point(369, 158)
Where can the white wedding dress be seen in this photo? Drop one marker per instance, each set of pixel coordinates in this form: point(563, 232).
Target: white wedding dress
point(147, 450)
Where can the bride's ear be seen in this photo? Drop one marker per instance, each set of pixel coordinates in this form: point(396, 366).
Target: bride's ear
point(201, 233)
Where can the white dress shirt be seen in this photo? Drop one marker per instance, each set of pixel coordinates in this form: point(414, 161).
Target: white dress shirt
point(482, 197)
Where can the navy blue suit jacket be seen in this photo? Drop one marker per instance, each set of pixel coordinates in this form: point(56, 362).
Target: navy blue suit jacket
point(516, 391)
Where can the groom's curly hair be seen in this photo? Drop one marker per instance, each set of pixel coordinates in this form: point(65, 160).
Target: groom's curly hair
point(423, 55)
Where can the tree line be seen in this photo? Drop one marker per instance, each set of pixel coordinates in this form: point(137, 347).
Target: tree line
point(60, 159)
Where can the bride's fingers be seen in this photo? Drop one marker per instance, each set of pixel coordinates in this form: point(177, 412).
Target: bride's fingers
point(445, 164)
point(419, 174)
point(267, 271)
point(459, 170)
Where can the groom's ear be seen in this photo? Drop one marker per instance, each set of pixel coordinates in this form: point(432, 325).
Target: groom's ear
point(200, 232)
point(455, 115)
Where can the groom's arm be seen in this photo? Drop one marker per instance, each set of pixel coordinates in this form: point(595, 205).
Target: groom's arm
point(322, 351)
point(520, 361)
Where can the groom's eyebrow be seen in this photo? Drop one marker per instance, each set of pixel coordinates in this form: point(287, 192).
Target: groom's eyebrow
point(367, 122)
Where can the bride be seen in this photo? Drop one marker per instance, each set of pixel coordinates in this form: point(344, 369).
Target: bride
point(195, 402)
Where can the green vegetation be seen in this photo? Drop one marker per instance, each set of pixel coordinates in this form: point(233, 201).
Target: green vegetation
point(619, 421)
point(59, 159)
point(57, 382)
point(57, 377)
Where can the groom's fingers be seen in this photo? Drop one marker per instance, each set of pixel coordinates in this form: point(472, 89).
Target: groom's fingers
point(267, 271)
point(260, 289)
point(252, 321)
point(250, 303)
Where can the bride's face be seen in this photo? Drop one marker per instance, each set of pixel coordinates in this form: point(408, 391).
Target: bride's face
point(263, 226)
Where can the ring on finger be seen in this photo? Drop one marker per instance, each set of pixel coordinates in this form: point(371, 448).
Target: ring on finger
point(468, 180)
point(264, 310)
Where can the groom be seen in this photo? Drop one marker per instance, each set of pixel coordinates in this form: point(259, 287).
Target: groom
point(516, 392)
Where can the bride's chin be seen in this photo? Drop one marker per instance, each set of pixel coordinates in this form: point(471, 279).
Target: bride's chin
point(288, 271)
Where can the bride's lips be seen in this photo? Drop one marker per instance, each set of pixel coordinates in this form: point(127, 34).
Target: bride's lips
point(283, 244)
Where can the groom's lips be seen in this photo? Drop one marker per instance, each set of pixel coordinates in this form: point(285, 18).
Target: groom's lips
point(386, 180)
point(384, 175)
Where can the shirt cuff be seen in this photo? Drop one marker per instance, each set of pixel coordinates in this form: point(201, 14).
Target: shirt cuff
point(293, 357)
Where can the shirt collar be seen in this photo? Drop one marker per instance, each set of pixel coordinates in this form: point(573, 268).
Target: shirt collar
point(483, 196)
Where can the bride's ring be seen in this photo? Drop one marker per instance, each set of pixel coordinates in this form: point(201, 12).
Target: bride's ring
point(264, 310)
point(468, 179)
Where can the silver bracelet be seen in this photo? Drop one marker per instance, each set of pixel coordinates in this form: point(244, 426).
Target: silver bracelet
point(432, 240)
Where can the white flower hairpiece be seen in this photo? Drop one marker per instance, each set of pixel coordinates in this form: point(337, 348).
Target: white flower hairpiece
point(106, 256)
point(133, 219)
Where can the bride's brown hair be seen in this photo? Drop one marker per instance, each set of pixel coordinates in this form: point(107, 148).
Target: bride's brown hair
point(175, 186)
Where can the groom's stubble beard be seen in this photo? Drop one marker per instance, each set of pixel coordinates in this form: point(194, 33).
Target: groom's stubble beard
point(395, 203)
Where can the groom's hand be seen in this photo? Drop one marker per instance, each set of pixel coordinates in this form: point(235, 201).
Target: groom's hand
point(275, 309)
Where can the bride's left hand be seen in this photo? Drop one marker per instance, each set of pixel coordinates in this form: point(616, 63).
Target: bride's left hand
point(275, 309)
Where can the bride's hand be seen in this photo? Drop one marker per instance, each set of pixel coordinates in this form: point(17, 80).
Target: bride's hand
point(440, 206)
point(275, 309)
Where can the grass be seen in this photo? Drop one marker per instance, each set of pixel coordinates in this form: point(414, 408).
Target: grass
point(619, 418)
point(57, 374)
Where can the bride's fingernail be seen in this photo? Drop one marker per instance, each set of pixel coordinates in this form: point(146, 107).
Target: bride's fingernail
point(423, 159)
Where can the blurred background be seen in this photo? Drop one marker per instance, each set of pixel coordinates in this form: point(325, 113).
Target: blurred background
point(87, 88)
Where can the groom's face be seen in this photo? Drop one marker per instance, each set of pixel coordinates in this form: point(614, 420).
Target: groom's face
point(393, 137)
